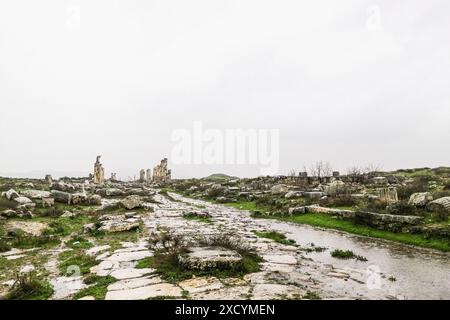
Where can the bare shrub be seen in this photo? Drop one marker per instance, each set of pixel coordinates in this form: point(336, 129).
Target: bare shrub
point(167, 242)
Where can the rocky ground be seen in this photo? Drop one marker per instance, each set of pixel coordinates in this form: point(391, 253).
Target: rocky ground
point(72, 239)
point(286, 270)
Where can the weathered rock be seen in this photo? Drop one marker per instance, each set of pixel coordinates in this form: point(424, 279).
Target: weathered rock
point(420, 199)
point(279, 189)
point(380, 180)
point(89, 227)
point(297, 210)
point(62, 197)
point(68, 214)
point(131, 202)
point(204, 258)
point(130, 273)
point(11, 194)
point(95, 200)
point(280, 258)
point(62, 186)
point(395, 223)
point(31, 227)
point(9, 213)
point(22, 200)
point(36, 194)
point(64, 287)
point(96, 250)
point(334, 188)
point(134, 283)
point(110, 192)
point(79, 198)
point(48, 178)
point(199, 214)
point(48, 202)
point(216, 190)
point(344, 214)
point(314, 194)
point(268, 291)
point(27, 269)
point(441, 204)
point(201, 284)
point(146, 292)
point(294, 194)
point(223, 199)
point(117, 223)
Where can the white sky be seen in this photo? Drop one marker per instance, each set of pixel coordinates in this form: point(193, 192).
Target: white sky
point(116, 78)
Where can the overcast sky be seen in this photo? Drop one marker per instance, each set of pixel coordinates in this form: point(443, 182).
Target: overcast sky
point(351, 82)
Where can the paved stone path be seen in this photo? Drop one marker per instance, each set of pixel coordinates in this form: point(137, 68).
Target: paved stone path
point(287, 271)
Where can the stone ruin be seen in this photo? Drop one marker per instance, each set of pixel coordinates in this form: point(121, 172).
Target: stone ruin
point(388, 195)
point(99, 172)
point(113, 176)
point(48, 179)
point(142, 176)
point(161, 173)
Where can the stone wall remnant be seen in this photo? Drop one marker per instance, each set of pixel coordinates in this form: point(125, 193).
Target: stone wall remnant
point(48, 179)
point(99, 172)
point(388, 195)
point(142, 177)
point(161, 173)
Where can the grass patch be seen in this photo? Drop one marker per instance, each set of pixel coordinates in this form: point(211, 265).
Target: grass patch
point(347, 254)
point(73, 261)
point(98, 288)
point(78, 242)
point(275, 236)
point(29, 287)
point(28, 241)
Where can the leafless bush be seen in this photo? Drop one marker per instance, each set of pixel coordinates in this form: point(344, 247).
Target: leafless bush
point(167, 242)
point(226, 241)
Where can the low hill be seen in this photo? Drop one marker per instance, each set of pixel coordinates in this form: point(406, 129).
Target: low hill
point(219, 177)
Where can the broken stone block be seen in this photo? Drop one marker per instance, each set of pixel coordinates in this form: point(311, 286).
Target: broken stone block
point(62, 186)
point(48, 202)
point(131, 202)
point(22, 200)
point(297, 210)
point(118, 223)
point(11, 194)
point(441, 204)
point(36, 194)
point(279, 189)
point(294, 194)
point(95, 200)
point(204, 258)
point(420, 199)
point(62, 197)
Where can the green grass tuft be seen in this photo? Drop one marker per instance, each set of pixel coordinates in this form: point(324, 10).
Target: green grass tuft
point(275, 236)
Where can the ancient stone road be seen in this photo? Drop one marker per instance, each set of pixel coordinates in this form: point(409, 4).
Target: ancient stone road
point(288, 272)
